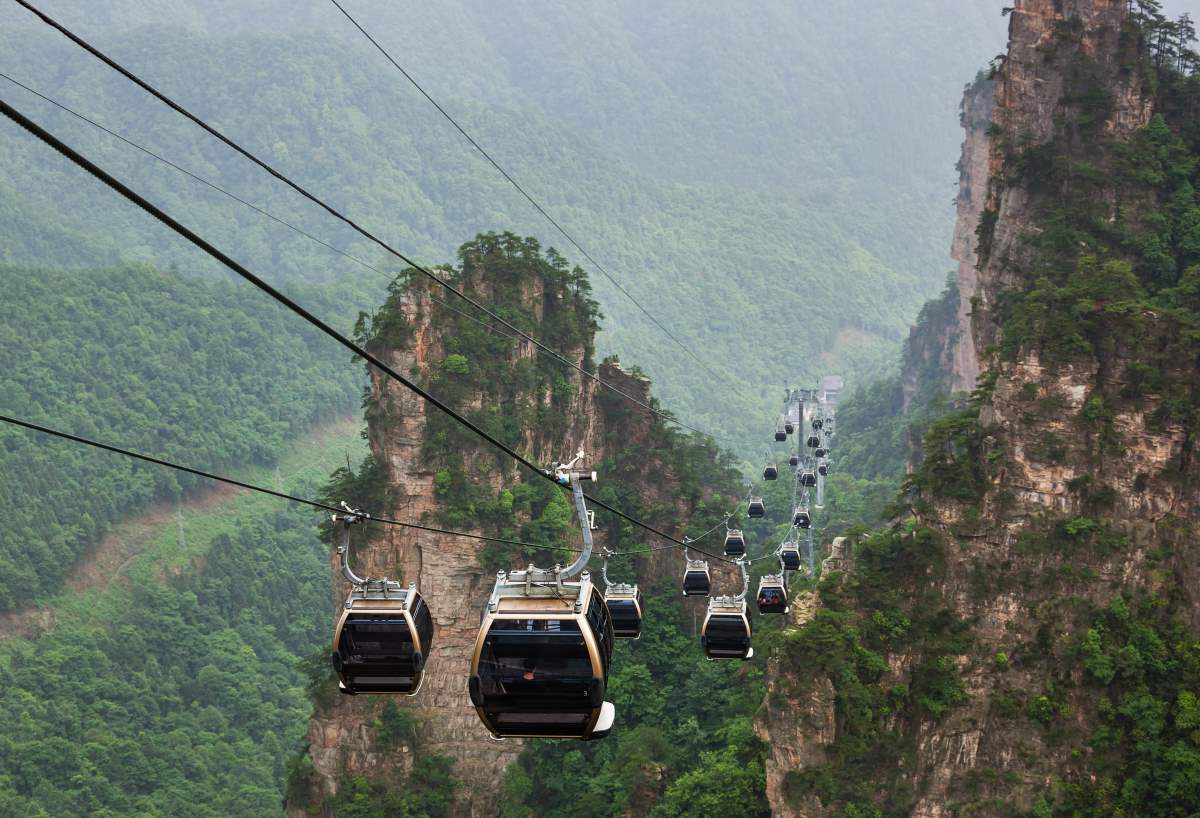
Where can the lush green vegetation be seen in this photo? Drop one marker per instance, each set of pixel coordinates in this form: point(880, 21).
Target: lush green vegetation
point(177, 368)
point(888, 604)
point(1117, 283)
point(1143, 664)
point(173, 687)
point(738, 185)
point(426, 794)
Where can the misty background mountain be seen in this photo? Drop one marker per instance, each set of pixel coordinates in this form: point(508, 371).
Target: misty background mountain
point(776, 177)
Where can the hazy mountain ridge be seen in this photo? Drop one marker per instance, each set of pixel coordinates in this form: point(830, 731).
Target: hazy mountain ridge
point(667, 142)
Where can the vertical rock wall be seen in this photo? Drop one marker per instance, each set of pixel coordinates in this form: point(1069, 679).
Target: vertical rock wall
point(446, 569)
point(1001, 570)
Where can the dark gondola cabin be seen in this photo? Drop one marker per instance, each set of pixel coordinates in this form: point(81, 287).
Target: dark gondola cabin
point(801, 518)
point(808, 478)
point(772, 595)
point(794, 460)
point(756, 509)
point(789, 427)
point(820, 452)
point(696, 580)
point(813, 442)
point(780, 435)
point(382, 640)
point(789, 557)
point(823, 469)
point(735, 543)
point(817, 424)
point(625, 607)
point(770, 472)
point(727, 630)
point(540, 666)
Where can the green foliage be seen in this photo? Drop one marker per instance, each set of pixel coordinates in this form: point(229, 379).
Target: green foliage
point(182, 369)
point(1044, 709)
point(722, 784)
point(456, 365)
point(937, 686)
point(188, 702)
point(953, 465)
point(427, 793)
point(393, 726)
point(1144, 660)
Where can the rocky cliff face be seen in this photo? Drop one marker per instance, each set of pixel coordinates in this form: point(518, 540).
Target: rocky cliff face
point(969, 660)
point(443, 476)
point(940, 354)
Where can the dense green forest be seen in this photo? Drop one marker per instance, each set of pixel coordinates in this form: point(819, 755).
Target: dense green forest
point(173, 367)
point(175, 688)
point(728, 168)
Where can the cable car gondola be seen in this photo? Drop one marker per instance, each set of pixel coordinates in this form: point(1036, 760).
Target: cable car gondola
point(780, 434)
point(817, 424)
point(385, 633)
point(696, 578)
point(756, 509)
point(772, 595)
point(735, 543)
point(789, 557)
point(801, 518)
point(770, 472)
point(808, 478)
point(540, 666)
point(820, 452)
point(382, 640)
point(789, 427)
point(625, 608)
point(541, 660)
point(813, 441)
point(727, 630)
point(823, 469)
point(794, 460)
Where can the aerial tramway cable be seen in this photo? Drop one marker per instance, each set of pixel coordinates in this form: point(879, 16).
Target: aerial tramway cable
point(536, 205)
point(667, 416)
point(131, 195)
point(37, 427)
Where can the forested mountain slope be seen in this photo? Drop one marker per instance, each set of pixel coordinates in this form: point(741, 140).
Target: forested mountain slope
point(173, 687)
point(756, 180)
point(173, 367)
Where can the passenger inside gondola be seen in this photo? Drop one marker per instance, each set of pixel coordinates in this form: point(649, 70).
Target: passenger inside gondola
point(536, 677)
point(770, 599)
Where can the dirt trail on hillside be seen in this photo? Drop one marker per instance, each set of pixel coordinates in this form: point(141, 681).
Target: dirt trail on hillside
point(105, 561)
